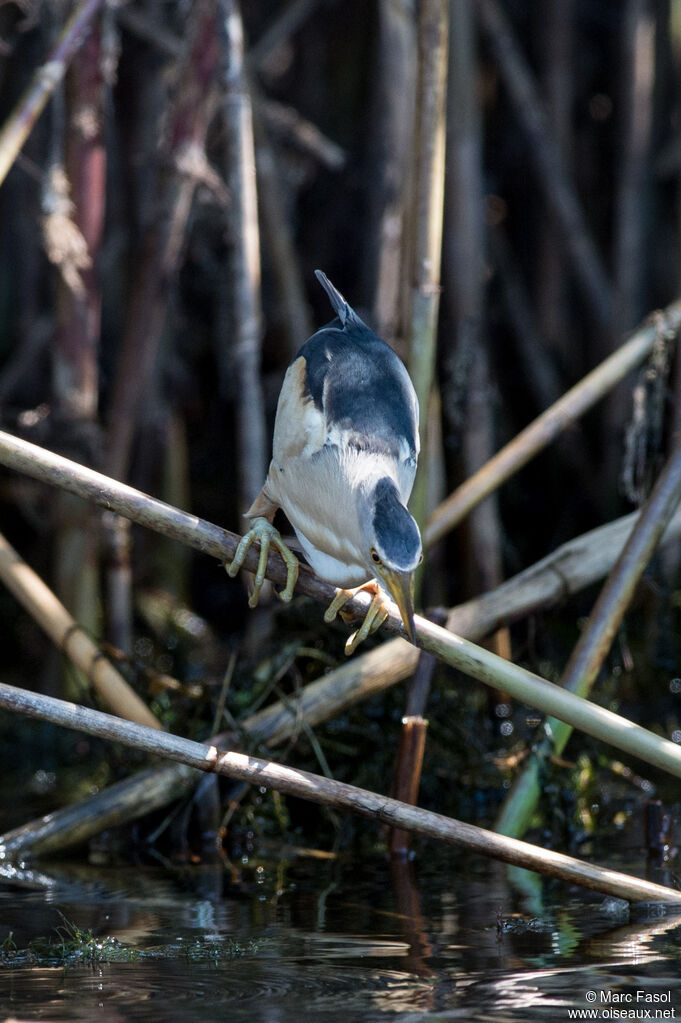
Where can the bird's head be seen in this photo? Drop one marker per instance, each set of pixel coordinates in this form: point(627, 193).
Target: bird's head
point(393, 547)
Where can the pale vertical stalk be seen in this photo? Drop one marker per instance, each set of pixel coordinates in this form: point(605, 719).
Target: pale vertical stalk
point(246, 325)
point(390, 162)
point(428, 213)
point(76, 344)
point(76, 381)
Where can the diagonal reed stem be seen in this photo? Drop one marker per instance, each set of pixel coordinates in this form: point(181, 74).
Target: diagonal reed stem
point(47, 77)
point(546, 427)
point(40, 602)
point(328, 792)
point(473, 660)
point(588, 655)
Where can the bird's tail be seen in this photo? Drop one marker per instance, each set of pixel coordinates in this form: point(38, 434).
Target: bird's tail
point(342, 309)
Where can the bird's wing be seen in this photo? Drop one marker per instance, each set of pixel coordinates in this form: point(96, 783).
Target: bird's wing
point(362, 391)
point(300, 427)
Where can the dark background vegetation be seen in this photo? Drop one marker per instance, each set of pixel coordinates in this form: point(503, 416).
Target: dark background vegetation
point(335, 106)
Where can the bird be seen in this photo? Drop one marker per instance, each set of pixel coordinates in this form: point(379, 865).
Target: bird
point(344, 458)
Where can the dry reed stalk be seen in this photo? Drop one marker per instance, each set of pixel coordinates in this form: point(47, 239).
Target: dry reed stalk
point(386, 255)
point(245, 321)
point(151, 790)
point(408, 769)
point(596, 639)
point(76, 377)
point(19, 124)
point(327, 792)
point(543, 430)
point(182, 165)
point(69, 637)
point(569, 569)
point(633, 196)
point(427, 216)
point(78, 216)
point(473, 660)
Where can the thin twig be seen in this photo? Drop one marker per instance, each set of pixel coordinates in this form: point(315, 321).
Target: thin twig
point(281, 29)
point(327, 792)
point(20, 123)
point(543, 430)
point(287, 125)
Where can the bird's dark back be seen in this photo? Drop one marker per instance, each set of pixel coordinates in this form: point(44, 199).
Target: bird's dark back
point(360, 385)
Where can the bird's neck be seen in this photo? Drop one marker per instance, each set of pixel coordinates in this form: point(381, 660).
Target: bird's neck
point(371, 473)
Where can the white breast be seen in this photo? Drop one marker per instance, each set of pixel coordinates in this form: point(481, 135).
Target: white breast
point(318, 496)
point(331, 569)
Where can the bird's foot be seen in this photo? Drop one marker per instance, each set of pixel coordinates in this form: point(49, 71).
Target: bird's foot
point(267, 536)
point(373, 619)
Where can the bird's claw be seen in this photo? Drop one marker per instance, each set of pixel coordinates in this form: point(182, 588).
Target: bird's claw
point(374, 618)
point(267, 536)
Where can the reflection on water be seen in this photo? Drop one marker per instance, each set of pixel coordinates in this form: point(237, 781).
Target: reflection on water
point(442, 938)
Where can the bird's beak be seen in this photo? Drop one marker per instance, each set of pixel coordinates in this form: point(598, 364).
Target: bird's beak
point(400, 586)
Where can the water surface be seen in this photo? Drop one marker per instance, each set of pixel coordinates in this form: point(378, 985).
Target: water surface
point(443, 937)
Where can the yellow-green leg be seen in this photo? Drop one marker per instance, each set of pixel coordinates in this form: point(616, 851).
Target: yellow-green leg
point(267, 536)
point(374, 618)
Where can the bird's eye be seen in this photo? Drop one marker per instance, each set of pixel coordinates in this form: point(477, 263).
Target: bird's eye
point(375, 558)
point(421, 559)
